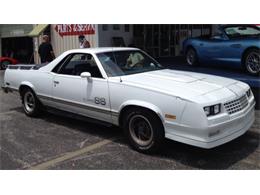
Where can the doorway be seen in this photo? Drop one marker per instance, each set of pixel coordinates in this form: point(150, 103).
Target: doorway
point(20, 48)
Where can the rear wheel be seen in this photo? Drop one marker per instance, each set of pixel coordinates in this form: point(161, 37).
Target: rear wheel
point(31, 104)
point(4, 64)
point(144, 130)
point(192, 57)
point(252, 61)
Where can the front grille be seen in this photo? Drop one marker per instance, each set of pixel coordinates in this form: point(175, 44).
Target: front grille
point(236, 105)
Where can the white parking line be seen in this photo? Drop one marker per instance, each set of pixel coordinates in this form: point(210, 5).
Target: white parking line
point(70, 155)
point(7, 112)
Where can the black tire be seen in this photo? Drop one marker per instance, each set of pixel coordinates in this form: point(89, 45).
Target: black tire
point(251, 62)
point(4, 64)
point(31, 104)
point(149, 124)
point(192, 57)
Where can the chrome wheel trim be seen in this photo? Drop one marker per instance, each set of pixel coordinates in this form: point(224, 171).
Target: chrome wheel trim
point(253, 62)
point(190, 57)
point(29, 102)
point(141, 130)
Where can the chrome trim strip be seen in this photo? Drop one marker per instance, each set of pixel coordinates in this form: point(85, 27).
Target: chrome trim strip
point(115, 114)
point(7, 89)
point(15, 90)
point(79, 105)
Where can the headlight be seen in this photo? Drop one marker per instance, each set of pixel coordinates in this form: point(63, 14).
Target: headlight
point(212, 110)
point(249, 93)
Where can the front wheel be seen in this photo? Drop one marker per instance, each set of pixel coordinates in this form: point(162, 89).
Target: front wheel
point(192, 57)
point(252, 61)
point(31, 104)
point(144, 130)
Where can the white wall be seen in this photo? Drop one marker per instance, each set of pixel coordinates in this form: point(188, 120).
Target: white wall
point(105, 37)
point(61, 44)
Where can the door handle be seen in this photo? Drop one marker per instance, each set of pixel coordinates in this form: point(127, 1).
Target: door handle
point(201, 44)
point(56, 82)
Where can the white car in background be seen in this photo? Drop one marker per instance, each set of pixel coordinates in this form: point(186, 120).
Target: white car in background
point(128, 88)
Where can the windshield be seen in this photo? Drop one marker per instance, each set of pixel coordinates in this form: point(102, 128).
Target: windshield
point(118, 63)
point(237, 31)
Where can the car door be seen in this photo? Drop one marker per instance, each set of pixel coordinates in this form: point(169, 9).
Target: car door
point(220, 49)
point(211, 48)
point(86, 96)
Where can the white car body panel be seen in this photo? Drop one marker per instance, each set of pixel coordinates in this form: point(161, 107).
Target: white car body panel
point(82, 93)
point(165, 92)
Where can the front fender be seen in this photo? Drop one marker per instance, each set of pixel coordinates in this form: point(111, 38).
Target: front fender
point(144, 105)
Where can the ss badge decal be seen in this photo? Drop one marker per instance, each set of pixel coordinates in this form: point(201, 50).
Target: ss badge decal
point(101, 101)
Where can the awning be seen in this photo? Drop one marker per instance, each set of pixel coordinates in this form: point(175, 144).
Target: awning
point(38, 30)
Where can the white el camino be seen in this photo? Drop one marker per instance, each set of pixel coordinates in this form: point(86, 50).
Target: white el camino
point(128, 88)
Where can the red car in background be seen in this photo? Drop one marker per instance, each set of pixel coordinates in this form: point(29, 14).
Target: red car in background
point(5, 61)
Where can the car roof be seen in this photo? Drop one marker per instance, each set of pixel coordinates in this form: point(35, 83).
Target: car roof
point(102, 49)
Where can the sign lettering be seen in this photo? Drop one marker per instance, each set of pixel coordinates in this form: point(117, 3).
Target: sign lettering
point(75, 29)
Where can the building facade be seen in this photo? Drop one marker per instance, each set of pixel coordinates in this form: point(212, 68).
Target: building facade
point(22, 41)
point(15, 42)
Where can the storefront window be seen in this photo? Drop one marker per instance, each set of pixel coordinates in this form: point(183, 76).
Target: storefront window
point(166, 40)
point(116, 27)
point(127, 28)
point(104, 27)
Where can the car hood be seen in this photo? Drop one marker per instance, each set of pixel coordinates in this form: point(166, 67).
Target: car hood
point(180, 83)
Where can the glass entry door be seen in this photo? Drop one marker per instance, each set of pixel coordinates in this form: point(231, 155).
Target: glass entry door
point(160, 40)
point(151, 39)
point(164, 40)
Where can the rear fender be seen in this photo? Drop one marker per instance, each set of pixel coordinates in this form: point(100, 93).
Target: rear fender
point(28, 84)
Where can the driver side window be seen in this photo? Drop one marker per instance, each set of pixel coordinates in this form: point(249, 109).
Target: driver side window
point(79, 63)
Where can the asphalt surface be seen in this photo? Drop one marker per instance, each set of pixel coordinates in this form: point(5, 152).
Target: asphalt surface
point(55, 141)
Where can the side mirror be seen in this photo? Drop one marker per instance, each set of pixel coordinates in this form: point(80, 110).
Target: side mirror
point(85, 75)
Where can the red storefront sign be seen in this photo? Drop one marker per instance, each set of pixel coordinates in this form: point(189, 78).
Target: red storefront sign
point(75, 29)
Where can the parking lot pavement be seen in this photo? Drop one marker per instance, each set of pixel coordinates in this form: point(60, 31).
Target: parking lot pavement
point(29, 141)
point(54, 141)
